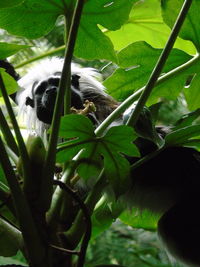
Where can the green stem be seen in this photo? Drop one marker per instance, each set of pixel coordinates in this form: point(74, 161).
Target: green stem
point(7, 133)
point(56, 204)
point(126, 103)
point(21, 144)
point(77, 230)
point(47, 182)
point(160, 63)
point(36, 251)
point(88, 223)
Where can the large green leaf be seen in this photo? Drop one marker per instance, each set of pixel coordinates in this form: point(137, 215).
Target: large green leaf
point(117, 140)
point(7, 50)
point(146, 24)
point(10, 84)
point(191, 27)
point(35, 18)
point(137, 62)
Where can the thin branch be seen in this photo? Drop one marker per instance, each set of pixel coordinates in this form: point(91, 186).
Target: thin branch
point(88, 223)
point(75, 233)
point(8, 134)
point(32, 240)
point(160, 63)
point(47, 182)
point(21, 144)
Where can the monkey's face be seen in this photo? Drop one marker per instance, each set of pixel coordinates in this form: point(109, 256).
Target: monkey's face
point(44, 97)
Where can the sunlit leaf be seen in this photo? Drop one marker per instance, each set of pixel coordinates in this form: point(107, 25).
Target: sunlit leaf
point(191, 26)
point(146, 24)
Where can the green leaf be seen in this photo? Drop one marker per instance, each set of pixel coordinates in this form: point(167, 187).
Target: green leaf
point(117, 140)
point(191, 26)
point(31, 19)
point(191, 92)
point(145, 23)
point(180, 136)
point(7, 50)
point(137, 62)
point(10, 3)
point(8, 245)
point(101, 220)
point(17, 260)
point(171, 87)
point(10, 84)
point(74, 125)
point(91, 42)
point(187, 119)
point(138, 219)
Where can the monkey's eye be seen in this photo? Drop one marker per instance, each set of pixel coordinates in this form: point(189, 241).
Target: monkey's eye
point(41, 88)
point(54, 81)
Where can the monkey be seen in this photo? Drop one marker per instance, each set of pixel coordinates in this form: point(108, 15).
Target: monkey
point(167, 184)
point(36, 99)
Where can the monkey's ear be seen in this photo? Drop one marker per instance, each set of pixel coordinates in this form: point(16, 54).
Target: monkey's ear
point(29, 102)
point(75, 80)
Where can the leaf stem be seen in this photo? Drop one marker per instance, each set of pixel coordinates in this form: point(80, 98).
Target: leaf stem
point(88, 223)
point(47, 182)
point(77, 230)
point(160, 63)
point(36, 251)
point(21, 144)
point(8, 134)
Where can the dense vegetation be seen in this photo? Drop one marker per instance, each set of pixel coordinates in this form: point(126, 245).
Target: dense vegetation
point(126, 39)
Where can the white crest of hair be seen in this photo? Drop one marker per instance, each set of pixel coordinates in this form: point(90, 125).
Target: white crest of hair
point(45, 69)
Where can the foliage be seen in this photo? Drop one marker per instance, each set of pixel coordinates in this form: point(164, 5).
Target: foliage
point(121, 32)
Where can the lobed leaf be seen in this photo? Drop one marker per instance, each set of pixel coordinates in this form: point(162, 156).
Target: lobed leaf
point(96, 151)
point(91, 42)
point(136, 63)
point(146, 23)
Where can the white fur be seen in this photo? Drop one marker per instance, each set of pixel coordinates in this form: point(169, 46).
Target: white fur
point(42, 71)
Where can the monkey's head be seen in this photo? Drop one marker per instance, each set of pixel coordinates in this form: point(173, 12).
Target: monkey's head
point(44, 96)
point(39, 86)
